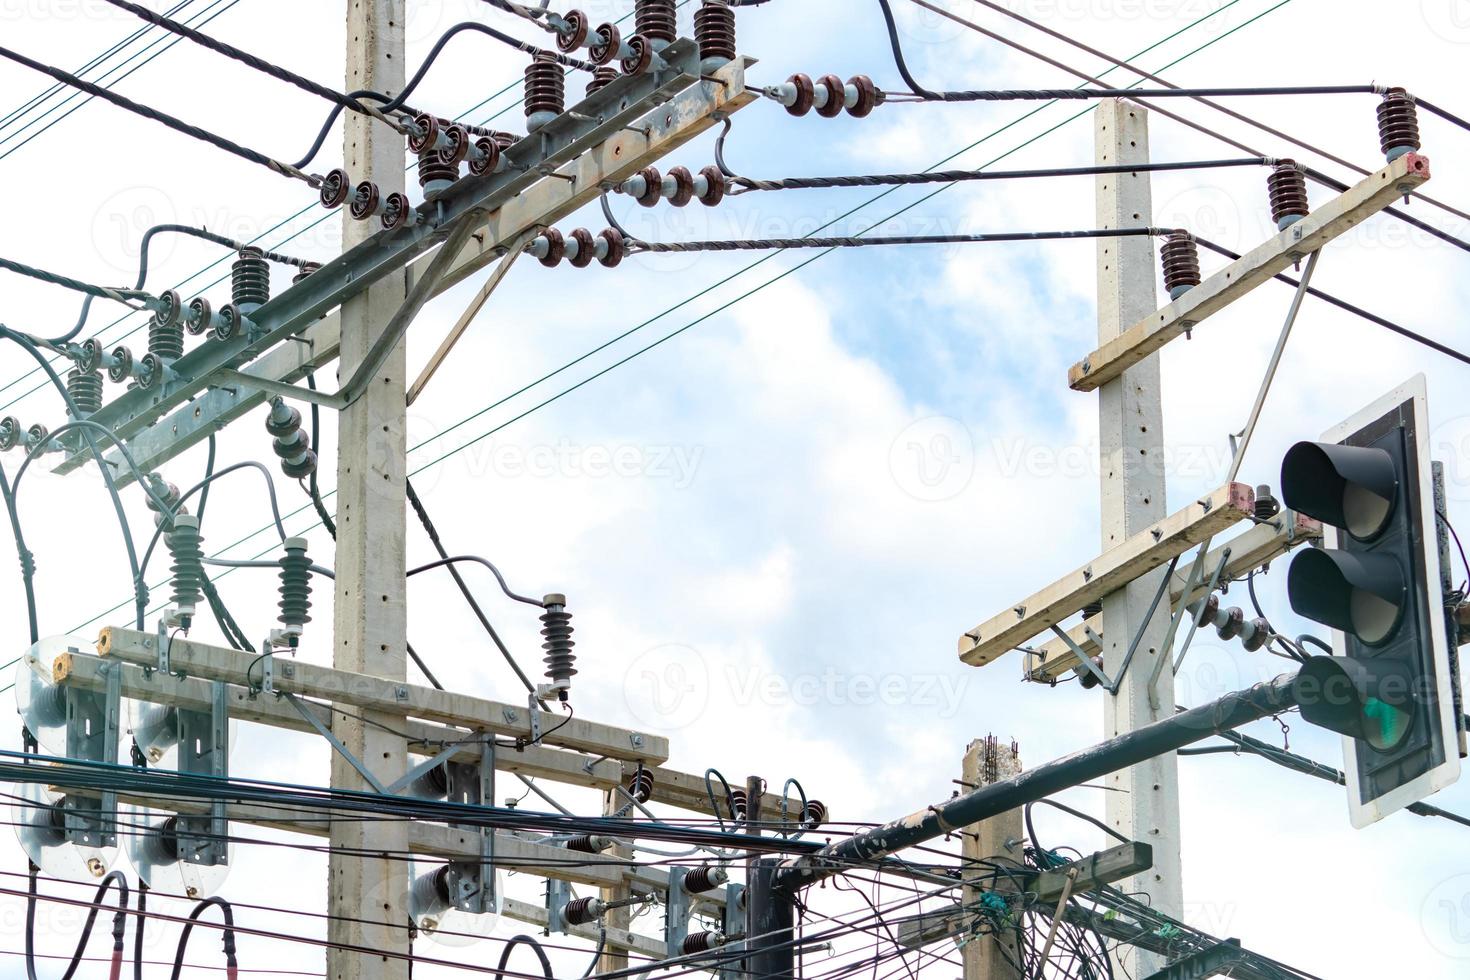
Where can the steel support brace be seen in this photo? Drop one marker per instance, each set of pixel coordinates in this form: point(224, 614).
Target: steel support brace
point(1111, 686)
point(677, 908)
point(335, 742)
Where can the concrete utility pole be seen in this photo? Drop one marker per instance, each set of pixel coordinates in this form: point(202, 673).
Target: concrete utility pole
point(370, 631)
point(1000, 839)
point(1144, 802)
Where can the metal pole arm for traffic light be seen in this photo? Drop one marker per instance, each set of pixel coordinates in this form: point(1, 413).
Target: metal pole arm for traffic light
point(1228, 713)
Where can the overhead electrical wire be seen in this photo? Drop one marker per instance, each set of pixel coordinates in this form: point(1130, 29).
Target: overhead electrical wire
point(172, 122)
point(729, 278)
point(744, 184)
point(34, 128)
point(1198, 127)
point(852, 241)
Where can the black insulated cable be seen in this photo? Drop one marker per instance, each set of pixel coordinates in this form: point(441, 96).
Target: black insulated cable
point(760, 244)
point(119, 922)
point(959, 176)
point(172, 122)
point(227, 940)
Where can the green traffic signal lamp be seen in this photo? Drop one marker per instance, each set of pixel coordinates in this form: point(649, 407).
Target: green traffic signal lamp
point(1368, 700)
point(1361, 594)
point(1351, 487)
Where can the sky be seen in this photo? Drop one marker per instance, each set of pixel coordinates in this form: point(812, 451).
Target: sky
point(773, 526)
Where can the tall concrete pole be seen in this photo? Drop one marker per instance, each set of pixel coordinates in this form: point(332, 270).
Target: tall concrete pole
point(1000, 839)
point(1144, 804)
point(370, 631)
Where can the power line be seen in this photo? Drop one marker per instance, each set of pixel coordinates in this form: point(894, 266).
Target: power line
point(1198, 127)
point(172, 122)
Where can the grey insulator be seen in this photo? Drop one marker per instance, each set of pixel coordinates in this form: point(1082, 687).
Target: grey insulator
point(184, 543)
point(295, 585)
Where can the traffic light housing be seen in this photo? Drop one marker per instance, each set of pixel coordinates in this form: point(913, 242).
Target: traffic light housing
point(1390, 689)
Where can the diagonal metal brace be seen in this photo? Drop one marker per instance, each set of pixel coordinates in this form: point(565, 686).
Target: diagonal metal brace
point(336, 743)
point(1166, 652)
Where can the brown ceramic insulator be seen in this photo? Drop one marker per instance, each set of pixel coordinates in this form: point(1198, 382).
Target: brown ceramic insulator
point(1286, 186)
point(489, 157)
point(805, 94)
point(602, 78)
point(457, 141)
point(335, 188)
point(1181, 262)
point(867, 99)
point(657, 20)
point(715, 192)
point(432, 169)
point(546, 86)
point(683, 186)
point(426, 133)
point(575, 34)
point(250, 277)
point(714, 29)
point(1398, 121)
point(641, 57)
point(836, 97)
point(616, 249)
point(365, 200)
point(556, 248)
point(653, 184)
point(603, 50)
point(586, 248)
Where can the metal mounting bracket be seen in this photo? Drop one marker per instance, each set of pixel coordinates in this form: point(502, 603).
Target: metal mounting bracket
point(472, 883)
point(163, 645)
point(1112, 686)
point(677, 909)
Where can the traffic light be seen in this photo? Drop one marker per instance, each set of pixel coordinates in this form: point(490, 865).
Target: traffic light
point(1378, 583)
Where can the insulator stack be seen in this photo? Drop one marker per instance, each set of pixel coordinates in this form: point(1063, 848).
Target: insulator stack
point(295, 587)
point(828, 95)
point(188, 566)
point(601, 78)
point(714, 29)
point(1287, 187)
point(1181, 264)
point(579, 248)
point(556, 631)
point(738, 804)
point(11, 432)
point(1398, 124)
point(581, 911)
point(640, 786)
point(701, 942)
point(605, 47)
point(1231, 623)
point(307, 268)
point(658, 21)
point(1267, 506)
point(166, 339)
point(589, 844)
point(546, 91)
point(399, 212)
point(435, 176)
point(291, 442)
point(250, 279)
point(705, 879)
point(814, 814)
point(85, 389)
